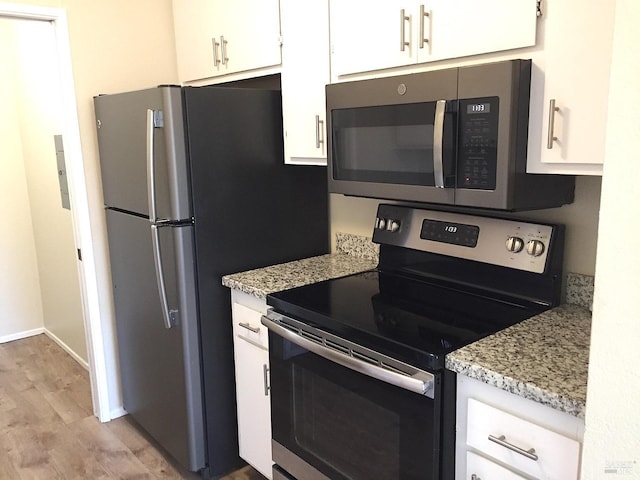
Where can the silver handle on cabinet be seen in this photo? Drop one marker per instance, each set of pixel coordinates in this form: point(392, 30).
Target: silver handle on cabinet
point(319, 128)
point(501, 440)
point(223, 50)
point(216, 60)
point(424, 14)
point(249, 327)
point(419, 381)
point(552, 116)
point(438, 137)
point(265, 376)
point(403, 18)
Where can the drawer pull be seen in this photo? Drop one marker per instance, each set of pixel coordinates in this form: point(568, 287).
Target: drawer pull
point(501, 440)
point(249, 327)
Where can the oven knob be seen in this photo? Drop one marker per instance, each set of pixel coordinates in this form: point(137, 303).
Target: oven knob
point(515, 244)
point(393, 226)
point(381, 223)
point(535, 248)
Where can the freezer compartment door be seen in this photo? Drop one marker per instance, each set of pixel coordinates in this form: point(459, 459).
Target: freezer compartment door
point(159, 367)
point(132, 147)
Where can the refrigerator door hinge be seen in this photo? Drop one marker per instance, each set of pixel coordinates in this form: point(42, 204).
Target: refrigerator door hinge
point(539, 8)
point(158, 119)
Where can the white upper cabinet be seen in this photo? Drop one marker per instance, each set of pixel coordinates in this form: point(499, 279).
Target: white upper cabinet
point(374, 35)
point(572, 70)
point(305, 72)
point(214, 37)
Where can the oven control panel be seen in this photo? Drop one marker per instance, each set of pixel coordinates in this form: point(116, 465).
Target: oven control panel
point(509, 243)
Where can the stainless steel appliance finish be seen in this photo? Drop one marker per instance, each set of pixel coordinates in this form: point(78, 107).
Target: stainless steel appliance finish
point(195, 187)
point(455, 136)
point(358, 384)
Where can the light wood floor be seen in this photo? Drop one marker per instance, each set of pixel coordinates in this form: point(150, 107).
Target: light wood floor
point(48, 431)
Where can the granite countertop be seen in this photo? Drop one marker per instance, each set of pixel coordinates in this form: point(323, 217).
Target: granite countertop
point(354, 254)
point(544, 358)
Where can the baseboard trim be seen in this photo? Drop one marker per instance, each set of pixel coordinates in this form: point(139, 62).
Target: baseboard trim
point(83, 363)
point(118, 412)
point(21, 335)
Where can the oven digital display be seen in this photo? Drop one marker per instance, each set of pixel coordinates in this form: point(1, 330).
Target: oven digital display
point(450, 232)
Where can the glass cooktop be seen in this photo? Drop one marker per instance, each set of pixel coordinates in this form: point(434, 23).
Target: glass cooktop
point(410, 319)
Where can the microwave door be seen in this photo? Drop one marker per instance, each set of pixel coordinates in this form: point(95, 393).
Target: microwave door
point(399, 151)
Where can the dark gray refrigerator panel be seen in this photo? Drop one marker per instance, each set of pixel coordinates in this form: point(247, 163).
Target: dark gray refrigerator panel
point(161, 387)
point(138, 133)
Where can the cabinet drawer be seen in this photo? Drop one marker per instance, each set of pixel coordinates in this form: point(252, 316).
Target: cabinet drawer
point(493, 432)
point(484, 469)
point(246, 325)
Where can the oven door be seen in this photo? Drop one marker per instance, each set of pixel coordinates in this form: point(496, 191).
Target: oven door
point(332, 420)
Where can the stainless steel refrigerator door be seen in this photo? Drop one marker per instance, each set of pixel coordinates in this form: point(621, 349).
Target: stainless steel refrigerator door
point(160, 367)
point(123, 133)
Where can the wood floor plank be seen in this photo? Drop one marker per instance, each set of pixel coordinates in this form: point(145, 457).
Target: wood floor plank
point(48, 431)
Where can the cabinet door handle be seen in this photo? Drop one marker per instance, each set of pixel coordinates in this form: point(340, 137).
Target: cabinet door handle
point(319, 129)
point(552, 115)
point(265, 376)
point(249, 327)
point(216, 60)
point(425, 14)
point(223, 50)
point(501, 440)
point(403, 19)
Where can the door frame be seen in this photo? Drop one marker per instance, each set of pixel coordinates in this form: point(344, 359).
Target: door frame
point(81, 221)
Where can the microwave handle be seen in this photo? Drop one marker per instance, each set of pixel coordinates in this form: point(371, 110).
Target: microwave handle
point(438, 140)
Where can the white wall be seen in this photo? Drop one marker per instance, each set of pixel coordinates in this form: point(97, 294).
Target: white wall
point(612, 437)
point(356, 215)
point(20, 302)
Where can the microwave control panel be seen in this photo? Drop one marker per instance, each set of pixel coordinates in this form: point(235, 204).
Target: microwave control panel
point(478, 142)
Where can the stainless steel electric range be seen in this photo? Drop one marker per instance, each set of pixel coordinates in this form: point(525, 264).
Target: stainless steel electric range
point(358, 385)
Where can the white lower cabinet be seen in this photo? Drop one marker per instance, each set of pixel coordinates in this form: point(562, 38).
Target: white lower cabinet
point(480, 468)
point(500, 435)
point(250, 342)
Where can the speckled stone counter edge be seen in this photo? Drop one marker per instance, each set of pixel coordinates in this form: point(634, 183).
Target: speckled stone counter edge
point(580, 290)
point(355, 254)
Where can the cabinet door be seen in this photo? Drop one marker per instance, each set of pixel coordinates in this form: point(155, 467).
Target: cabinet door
point(193, 25)
point(367, 35)
point(214, 37)
point(249, 34)
point(457, 28)
point(252, 389)
point(305, 72)
point(479, 468)
point(574, 71)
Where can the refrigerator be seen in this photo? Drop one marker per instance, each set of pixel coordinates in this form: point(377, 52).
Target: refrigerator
point(195, 187)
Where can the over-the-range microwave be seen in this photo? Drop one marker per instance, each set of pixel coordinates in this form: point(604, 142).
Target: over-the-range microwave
point(455, 136)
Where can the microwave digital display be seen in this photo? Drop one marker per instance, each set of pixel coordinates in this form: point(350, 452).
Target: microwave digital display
point(479, 108)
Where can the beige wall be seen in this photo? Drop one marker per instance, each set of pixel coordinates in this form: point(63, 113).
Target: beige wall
point(612, 437)
point(20, 301)
point(356, 215)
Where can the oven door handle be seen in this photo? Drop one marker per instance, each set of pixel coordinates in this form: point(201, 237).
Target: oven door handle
point(419, 381)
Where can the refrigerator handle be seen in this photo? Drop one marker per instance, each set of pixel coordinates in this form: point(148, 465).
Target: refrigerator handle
point(170, 316)
point(154, 120)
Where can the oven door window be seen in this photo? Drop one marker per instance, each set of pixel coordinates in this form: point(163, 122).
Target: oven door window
point(348, 425)
point(392, 144)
